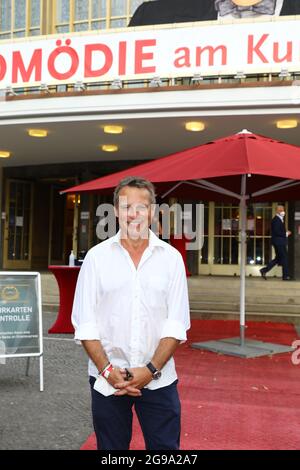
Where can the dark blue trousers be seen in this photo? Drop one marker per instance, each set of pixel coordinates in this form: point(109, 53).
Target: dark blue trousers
point(158, 412)
point(281, 258)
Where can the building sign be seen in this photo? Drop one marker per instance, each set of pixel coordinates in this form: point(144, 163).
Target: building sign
point(170, 51)
point(20, 314)
point(226, 224)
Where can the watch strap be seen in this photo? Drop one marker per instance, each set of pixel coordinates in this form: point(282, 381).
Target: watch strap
point(151, 367)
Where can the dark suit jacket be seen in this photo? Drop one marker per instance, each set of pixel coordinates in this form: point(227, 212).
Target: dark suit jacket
point(181, 11)
point(278, 232)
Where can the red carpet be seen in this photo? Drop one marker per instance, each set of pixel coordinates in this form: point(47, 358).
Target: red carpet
point(234, 403)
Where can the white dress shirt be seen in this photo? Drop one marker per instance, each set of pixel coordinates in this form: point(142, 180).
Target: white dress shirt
point(130, 309)
point(253, 14)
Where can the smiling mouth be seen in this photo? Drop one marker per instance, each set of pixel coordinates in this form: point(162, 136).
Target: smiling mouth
point(134, 222)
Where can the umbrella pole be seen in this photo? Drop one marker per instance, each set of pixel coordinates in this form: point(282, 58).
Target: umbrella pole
point(243, 215)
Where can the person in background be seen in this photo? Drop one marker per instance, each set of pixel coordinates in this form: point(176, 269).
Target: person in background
point(279, 238)
point(131, 312)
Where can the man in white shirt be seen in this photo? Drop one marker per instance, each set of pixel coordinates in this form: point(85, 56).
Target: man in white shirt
point(130, 313)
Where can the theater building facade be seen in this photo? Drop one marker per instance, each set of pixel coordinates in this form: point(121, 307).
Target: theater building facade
point(83, 95)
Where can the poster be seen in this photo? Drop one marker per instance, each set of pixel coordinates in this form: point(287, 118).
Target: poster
point(20, 314)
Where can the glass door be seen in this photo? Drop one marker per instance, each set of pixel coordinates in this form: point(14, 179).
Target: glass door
point(18, 225)
point(259, 247)
point(63, 226)
point(221, 251)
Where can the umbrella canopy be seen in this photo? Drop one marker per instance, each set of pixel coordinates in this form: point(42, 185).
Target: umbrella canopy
point(221, 162)
point(243, 166)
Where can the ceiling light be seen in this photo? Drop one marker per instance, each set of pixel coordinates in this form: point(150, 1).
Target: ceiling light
point(110, 148)
point(38, 132)
point(113, 129)
point(287, 124)
point(4, 154)
point(195, 126)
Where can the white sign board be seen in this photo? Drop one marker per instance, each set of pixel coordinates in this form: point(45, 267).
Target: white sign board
point(226, 224)
point(21, 333)
point(84, 215)
point(137, 53)
point(19, 221)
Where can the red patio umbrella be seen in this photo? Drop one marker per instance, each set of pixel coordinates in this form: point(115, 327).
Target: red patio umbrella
point(242, 166)
point(238, 154)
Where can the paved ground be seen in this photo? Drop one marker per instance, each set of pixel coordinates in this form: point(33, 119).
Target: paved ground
point(59, 417)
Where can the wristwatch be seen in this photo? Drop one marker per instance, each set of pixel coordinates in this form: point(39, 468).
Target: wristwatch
point(156, 374)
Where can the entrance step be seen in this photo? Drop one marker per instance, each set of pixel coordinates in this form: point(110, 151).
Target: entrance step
point(218, 296)
point(266, 308)
point(212, 296)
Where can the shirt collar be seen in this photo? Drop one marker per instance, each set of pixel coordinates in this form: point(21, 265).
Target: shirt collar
point(153, 240)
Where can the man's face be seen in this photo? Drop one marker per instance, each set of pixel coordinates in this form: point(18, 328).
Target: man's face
point(279, 209)
point(134, 212)
point(245, 3)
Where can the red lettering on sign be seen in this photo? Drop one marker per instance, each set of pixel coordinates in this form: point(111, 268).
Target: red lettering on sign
point(108, 60)
point(122, 57)
point(35, 65)
point(255, 49)
point(3, 67)
point(184, 60)
point(289, 53)
point(70, 51)
point(141, 56)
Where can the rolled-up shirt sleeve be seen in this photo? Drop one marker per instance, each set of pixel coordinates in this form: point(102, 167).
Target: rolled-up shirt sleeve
point(85, 302)
point(178, 320)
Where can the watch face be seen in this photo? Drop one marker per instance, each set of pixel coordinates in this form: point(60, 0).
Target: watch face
point(157, 375)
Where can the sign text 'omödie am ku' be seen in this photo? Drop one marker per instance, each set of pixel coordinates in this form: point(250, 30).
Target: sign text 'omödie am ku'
point(260, 47)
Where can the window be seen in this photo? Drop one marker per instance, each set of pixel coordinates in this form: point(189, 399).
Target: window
point(19, 18)
point(86, 15)
point(5, 18)
point(62, 16)
point(35, 18)
point(81, 15)
point(99, 14)
point(118, 14)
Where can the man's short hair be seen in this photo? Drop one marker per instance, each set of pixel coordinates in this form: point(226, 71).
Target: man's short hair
point(134, 182)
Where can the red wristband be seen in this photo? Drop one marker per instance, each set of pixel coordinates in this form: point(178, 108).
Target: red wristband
point(106, 372)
